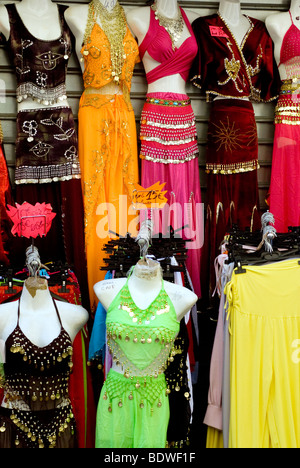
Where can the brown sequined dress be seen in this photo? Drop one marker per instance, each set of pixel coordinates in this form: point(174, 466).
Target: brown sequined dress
point(37, 412)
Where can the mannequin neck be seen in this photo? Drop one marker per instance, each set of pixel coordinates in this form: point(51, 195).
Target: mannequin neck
point(35, 293)
point(230, 10)
point(147, 274)
point(108, 4)
point(168, 8)
point(38, 7)
point(295, 7)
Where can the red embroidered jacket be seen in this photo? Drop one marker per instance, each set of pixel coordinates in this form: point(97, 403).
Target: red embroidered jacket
point(225, 68)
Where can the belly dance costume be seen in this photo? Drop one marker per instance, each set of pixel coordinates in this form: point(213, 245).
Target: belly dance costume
point(284, 199)
point(133, 409)
point(37, 412)
point(107, 140)
point(238, 74)
point(169, 149)
point(47, 164)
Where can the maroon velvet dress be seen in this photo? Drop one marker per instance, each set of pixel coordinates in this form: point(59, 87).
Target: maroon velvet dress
point(239, 74)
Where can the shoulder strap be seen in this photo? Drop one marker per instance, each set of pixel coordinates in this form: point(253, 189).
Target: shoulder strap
point(149, 35)
point(291, 16)
point(58, 315)
point(12, 13)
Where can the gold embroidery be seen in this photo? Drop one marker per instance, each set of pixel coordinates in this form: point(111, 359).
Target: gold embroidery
point(227, 136)
point(232, 68)
point(236, 168)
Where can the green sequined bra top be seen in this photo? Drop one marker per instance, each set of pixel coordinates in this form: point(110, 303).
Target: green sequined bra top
point(140, 341)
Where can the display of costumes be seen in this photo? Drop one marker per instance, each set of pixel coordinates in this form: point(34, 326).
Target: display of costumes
point(107, 136)
point(169, 149)
point(284, 197)
point(47, 164)
point(239, 74)
point(40, 413)
point(133, 409)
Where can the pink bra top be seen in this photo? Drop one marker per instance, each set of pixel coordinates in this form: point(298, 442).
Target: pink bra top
point(291, 44)
point(158, 44)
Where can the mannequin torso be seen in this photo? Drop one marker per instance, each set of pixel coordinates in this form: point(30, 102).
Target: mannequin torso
point(145, 284)
point(139, 21)
point(41, 19)
point(38, 317)
point(77, 17)
point(144, 290)
point(278, 25)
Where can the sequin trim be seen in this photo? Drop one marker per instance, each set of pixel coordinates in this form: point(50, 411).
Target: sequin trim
point(228, 169)
point(45, 96)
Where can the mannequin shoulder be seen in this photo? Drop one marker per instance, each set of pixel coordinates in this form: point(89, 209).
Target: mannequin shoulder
point(275, 24)
point(73, 316)
point(138, 20)
point(4, 22)
point(76, 17)
point(8, 318)
point(182, 298)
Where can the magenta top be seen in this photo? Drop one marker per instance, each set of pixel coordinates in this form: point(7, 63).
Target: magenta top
point(158, 44)
point(291, 44)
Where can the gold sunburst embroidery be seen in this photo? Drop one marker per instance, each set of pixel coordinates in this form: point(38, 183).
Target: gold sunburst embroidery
point(227, 135)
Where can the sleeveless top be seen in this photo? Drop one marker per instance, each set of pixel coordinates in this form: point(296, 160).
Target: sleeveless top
point(40, 65)
point(37, 377)
point(158, 44)
point(290, 48)
point(141, 340)
point(97, 62)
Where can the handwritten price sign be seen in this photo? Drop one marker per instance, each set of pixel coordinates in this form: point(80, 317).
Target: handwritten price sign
point(31, 220)
point(216, 31)
point(151, 197)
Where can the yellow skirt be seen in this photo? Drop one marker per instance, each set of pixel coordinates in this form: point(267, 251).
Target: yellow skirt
point(108, 157)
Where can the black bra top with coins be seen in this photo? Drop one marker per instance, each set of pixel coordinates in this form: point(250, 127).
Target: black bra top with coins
point(37, 376)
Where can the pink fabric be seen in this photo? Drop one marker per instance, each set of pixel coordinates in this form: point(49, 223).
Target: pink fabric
point(183, 186)
point(290, 47)
point(158, 44)
point(284, 199)
point(214, 413)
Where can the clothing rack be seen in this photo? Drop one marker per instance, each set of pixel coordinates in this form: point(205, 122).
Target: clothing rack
point(247, 248)
point(124, 252)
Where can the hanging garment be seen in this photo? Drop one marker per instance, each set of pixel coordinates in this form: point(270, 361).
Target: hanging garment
point(237, 73)
point(264, 325)
point(107, 150)
point(80, 385)
point(133, 409)
point(284, 196)
point(47, 166)
point(38, 411)
point(5, 198)
point(169, 149)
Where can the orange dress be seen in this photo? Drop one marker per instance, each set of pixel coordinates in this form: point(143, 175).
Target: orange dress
point(107, 150)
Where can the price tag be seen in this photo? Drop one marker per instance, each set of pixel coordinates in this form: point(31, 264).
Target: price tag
point(31, 221)
point(217, 31)
point(149, 198)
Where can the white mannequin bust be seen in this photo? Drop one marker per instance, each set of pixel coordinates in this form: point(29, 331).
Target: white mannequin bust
point(41, 19)
point(38, 317)
point(139, 20)
point(145, 284)
point(76, 17)
point(278, 25)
